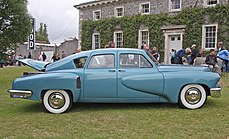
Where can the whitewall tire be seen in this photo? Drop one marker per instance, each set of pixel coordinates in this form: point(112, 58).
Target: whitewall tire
point(57, 101)
point(192, 96)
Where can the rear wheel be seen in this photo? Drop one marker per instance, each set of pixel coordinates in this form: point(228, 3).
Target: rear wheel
point(57, 101)
point(192, 96)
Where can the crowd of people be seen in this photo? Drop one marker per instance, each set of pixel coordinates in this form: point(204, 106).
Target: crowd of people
point(188, 56)
point(183, 56)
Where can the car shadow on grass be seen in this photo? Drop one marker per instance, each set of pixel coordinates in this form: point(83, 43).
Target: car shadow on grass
point(37, 107)
point(120, 106)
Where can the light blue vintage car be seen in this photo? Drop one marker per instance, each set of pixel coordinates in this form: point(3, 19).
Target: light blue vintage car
point(114, 75)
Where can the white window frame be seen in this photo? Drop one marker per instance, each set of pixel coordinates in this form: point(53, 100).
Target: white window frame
point(115, 36)
point(116, 12)
point(94, 15)
point(93, 40)
point(206, 3)
point(140, 37)
point(204, 35)
point(140, 8)
point(174, 10)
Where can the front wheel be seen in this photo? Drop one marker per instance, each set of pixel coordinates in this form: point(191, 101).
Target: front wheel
point(192, 96)
point(57, 101)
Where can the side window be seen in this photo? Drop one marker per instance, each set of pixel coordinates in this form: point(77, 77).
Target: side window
point(102, 61)
point(80, 62)
point(133, 61)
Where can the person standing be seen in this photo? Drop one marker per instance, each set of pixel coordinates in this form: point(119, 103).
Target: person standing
point(220, 46)
point(44, 57)
point(224, 55)
point(54, 57)
point(173, 55)
point(63, 55)
point(111, 44)
point(180, 54)
point(57, 56)
point(195, 53)
point(211, 61)
point(78, 50)
point(225, 62)
point(29, 56)
point(155, 53)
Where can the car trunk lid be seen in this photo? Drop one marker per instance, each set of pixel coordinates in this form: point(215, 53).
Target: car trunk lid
point(38, 65)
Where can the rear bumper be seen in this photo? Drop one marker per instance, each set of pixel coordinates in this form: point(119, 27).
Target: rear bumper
point(215, 92)
point(20, 93)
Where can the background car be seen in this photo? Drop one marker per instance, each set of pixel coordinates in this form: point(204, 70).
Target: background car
point(118, 75)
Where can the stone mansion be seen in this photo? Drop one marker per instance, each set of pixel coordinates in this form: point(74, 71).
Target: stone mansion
point(173, 35)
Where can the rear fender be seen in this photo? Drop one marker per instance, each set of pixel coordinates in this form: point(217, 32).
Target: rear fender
point(40, 83)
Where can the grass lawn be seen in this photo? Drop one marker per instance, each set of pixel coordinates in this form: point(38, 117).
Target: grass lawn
point(28, 119)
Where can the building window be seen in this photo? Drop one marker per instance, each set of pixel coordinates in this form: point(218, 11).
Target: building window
point(118, 39)
point(143, 37)
point(96, 41)
point(211, 2)
point(119, 11)
point(144, 8)
point(97, 15)
point(175, 5)
point(209, 36)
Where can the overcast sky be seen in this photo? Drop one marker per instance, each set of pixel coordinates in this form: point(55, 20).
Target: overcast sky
point(59, 15)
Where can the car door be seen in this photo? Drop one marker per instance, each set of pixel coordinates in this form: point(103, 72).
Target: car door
point(138, 78)
point(100, 76)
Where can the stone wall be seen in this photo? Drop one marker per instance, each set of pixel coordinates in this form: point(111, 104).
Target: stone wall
point(68, 47)
point(131, 7)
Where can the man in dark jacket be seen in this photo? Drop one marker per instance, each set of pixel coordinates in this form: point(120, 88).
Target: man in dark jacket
point(212, 62)
point(180, 54)
point(44, 57)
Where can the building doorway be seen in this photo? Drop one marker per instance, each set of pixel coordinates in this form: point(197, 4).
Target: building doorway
point(173, 40)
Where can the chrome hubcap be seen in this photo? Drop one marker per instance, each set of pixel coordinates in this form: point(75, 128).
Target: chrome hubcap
point(193, 95)
point(56, 100)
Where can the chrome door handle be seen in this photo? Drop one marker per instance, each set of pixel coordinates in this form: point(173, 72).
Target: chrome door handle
point(112, 70)
point(121, 70)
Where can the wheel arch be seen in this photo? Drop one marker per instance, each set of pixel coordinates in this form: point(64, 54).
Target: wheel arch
point(206, 88)
point(67, 90)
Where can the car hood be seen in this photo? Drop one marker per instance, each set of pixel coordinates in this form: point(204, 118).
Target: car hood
point(38, 65)
point(172, 68)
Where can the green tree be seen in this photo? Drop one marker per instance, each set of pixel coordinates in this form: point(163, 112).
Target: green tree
point(14, 24)
point(41, 34)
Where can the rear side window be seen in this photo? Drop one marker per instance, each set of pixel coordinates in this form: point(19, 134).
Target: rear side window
point(80, 62)
point(133, 61)
point(102, 61)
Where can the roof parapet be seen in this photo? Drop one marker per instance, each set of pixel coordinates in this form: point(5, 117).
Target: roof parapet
point(94, 3)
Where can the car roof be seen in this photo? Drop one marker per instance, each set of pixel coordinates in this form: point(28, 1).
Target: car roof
point(114, 49)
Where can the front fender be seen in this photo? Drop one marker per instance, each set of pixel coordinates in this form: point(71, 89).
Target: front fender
point(48, 81)
point(175, 81)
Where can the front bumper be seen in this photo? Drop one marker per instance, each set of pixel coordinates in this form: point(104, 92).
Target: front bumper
point(20, 93)
point(215, 92)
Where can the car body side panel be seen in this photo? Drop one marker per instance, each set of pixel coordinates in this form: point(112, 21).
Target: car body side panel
point(174, 81)
point(49, 81)
point(146, 84)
